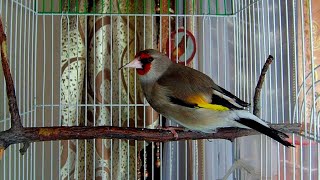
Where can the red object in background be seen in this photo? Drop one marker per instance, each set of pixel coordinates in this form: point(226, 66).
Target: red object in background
point(185, 49)
point(305, 142)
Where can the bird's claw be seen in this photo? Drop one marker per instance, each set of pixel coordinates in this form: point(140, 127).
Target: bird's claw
point(172, 130)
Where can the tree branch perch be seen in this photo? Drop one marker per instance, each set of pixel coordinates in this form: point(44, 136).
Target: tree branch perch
point(35, 134)
point(256, 98)
point(13, 105)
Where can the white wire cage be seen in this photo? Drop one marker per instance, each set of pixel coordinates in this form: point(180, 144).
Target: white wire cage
point(64, 57)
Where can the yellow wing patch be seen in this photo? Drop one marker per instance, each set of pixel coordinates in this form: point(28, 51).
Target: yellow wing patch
point(202, 102)
point(214, 107)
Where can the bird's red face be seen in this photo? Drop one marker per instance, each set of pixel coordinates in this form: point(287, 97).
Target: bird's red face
point(141, 62)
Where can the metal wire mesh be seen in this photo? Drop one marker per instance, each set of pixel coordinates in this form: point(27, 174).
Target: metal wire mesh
point(55, 48)
point(221, 7)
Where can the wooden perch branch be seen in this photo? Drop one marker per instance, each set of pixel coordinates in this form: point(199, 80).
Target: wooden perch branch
point(34, 134)
point(256, 98)
point(19, 134)
point(16, 124)
point(13, 105)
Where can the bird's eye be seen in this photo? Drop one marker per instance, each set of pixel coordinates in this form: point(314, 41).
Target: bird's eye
point(146, 60)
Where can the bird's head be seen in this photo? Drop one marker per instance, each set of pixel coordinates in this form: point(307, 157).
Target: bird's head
point(149, 62)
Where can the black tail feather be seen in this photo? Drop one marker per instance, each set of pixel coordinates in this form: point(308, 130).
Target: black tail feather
point(272, 133)
point(238, 100)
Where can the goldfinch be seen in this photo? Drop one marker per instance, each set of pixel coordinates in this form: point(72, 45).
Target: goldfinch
point(192, 99)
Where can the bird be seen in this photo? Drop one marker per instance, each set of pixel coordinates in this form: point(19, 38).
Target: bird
point(192, 99)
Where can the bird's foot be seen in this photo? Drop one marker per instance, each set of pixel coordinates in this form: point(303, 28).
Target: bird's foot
point(172, 129)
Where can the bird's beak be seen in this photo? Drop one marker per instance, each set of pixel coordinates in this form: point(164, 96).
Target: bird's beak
point(133, 64)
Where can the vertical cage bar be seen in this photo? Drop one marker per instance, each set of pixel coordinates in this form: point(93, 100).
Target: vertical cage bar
point(77, 98)
point(35, 29)
point(20, 88)
point(282, 87)
point(94, 94)
point(60, 105)
point(43, 90)
point(294, 13)
point(52, 102)
point(128, 96)
point(86, 92)
point(313, 111)
point(304, 83)
point(25, 109)
point(111, 91)
point(135, 102)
